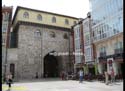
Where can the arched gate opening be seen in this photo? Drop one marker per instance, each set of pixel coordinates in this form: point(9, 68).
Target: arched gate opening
point(50, 66)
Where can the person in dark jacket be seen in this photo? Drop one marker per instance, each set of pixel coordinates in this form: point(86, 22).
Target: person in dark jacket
point(9, 80)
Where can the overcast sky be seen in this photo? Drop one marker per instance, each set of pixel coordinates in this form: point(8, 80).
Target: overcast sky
point(75, 8)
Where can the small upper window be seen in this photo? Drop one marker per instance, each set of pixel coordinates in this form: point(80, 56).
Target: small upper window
point(3, 40)
point(6, 17)
point(52, 34)
point(26, 15)
point(66, 22)
point(39, 17)
point(37, 33)
point(54, 20)
point(65, 36)
point(74, 22)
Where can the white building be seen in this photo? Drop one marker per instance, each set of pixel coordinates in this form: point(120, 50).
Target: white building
point(107, 31)
point(78, 41)
point(88, 47)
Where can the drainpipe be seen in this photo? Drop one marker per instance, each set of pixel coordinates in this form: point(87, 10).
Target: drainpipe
point(41, 63)
point(6, 50)
point(69, 54)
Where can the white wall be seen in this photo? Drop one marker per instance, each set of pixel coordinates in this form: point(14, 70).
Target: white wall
point(100, 68)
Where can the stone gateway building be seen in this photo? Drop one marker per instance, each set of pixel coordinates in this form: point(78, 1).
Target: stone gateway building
point(38, 41)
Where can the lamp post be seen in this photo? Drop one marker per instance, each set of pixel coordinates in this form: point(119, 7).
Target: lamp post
point(41, 65)
point(41, 55)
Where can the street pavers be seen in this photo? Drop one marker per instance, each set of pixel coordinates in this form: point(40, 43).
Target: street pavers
point(58, 85)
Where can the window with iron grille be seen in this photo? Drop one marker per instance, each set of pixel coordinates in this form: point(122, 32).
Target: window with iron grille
point(118, 47)
point(26, 15)
point(53, 19)
point(66, 22)
point(37, 33)
point(39, 17)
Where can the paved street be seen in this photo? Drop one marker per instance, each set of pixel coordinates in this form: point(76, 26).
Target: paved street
point(58, 85)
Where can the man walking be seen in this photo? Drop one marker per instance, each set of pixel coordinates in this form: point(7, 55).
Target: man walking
point(80, 76)
point(9, 80)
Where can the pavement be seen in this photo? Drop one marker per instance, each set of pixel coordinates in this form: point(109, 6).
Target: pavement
point(59, 85)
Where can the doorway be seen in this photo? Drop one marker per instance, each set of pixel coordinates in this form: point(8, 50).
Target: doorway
point(50, 66)
point(12, 69)
point(92, 70)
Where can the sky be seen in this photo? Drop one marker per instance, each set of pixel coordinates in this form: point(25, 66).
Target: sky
point(75, 8)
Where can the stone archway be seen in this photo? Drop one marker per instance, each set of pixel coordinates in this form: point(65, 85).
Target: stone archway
point(51, 66)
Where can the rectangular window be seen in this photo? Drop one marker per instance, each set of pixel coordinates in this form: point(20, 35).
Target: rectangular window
point(118, 47)
point(102, 51)
point(88, 52)
point(3, 40)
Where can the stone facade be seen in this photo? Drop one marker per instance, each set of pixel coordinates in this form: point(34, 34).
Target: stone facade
point(32, 49)
point(35, 39)
point(78, 46)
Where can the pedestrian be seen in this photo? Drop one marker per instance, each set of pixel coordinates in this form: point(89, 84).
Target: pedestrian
point(62, 75)
point(80, 76)
point(66, 76)
point(36, 75)
point(9, 80)
point(106, 78)
point(112, 76)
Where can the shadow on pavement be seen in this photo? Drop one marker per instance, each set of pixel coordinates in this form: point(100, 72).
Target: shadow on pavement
point(112, 84)
point(41, 80)
point(9, 89)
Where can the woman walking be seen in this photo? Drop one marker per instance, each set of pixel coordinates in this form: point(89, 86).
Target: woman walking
point(112, 76)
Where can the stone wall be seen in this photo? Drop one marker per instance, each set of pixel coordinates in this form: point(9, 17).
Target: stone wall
point(32, 49)
point(12, 58)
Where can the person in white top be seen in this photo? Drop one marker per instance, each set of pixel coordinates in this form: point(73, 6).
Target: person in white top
point(80, 76)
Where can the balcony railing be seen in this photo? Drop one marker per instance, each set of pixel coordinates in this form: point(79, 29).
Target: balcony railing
point(115, 56)
point(117, 51)
point(118, 55)
point(102, 54)
point(104, 35)
point(102, 58)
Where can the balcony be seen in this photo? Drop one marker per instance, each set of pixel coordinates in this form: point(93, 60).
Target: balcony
point(117, 51)
point(105, 36)
point(118, 56)
point(102, 54)
point(102, 58)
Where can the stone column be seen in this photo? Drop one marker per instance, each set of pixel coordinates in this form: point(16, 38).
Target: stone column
point(100, 68)
point(115, 67)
